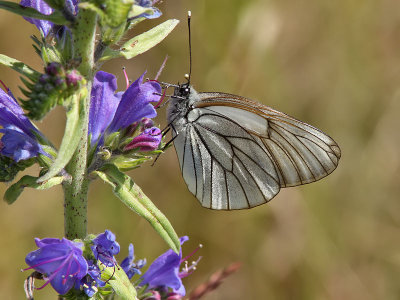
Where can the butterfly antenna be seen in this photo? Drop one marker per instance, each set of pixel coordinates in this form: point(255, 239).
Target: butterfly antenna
point(190, 46)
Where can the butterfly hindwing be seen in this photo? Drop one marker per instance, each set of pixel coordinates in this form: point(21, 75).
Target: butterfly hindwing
point(300, 152)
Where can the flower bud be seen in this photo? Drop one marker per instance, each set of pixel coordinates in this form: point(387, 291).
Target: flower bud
point(174, 296)
point(148, 140)
point(147, 123)
point(44, 78)
point(155, 296)
point(73, 77)
point(53, 69)
point(48, 87)
point(9, 168)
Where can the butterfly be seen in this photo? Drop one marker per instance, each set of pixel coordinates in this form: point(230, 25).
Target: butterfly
point(235, 153)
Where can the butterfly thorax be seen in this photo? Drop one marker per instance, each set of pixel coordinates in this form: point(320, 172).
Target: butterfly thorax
point(181, 104)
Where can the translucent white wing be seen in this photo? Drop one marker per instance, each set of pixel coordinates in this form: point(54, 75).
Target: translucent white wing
point(235, 153)
point(301, 152)
point(223, 165)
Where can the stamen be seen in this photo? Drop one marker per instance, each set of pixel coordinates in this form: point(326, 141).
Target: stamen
point(126, 77)
point(48, 279)
point(191, 254)
point(187, 270)
point(45, 262)
point(161, 99)
point(5, 87)
point(44, 285)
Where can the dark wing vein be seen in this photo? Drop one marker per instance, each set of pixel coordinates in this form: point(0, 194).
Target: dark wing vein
point(298, 153)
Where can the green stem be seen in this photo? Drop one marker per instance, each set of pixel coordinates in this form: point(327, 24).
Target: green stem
point(75, 193)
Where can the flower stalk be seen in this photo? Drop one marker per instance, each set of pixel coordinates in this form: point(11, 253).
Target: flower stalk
point(75, 193)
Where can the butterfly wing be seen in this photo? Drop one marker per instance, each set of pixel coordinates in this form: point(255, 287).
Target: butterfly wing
point(236, 153)
point(222, 164)
point(301, 153)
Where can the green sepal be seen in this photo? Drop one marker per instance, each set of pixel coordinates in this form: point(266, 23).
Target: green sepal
point(111, 36)
point(112, 13)
point(44, 161)
point(112, 140)
point(126, 163)
point(137, 10)
point(74, 294)
point(19, 66)
point(14, 191)
point(132, 196)
point(65, 46)
point(50, 54)
point(30, 85)
point(134, 22)
point(40, 103)
point(70, 139)
point(56, 17)
point(142, 42)
point(9, 168)
point(119, 281)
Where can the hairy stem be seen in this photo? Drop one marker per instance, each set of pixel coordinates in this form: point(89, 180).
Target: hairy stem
point(75, 193)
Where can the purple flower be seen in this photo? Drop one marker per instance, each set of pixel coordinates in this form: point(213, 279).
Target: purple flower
point(129, 266)
point(148, 140)
point(91, 281)
point(111, 111)
point(41, 6)
point(61, 261)
point(164, 272)
point(105, 247)
point(103, 104)
point(149, 3)
point(19, 140)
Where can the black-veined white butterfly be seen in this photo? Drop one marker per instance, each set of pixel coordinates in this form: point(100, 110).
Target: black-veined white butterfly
point(235, 153)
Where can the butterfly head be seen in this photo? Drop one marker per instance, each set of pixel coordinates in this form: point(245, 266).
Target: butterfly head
point(182, 90)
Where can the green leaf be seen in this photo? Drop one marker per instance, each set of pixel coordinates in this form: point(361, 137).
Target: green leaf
point(71, 137)
point(56, 4)
point(133, 197)
point(119, 281)
point(19, 66)
point(56, 17)
point(14, 191)
point(142, 42)
point(112, 13)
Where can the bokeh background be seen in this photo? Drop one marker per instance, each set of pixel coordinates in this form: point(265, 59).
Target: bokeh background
point(333, 64)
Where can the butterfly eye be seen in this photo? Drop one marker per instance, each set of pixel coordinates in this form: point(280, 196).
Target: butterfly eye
point(184, 90)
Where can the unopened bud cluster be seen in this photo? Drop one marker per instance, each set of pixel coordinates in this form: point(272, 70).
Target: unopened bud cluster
point(54, 87)
point(10, 168)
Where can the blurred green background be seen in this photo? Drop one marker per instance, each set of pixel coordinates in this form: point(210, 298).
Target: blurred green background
point(333, 64)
